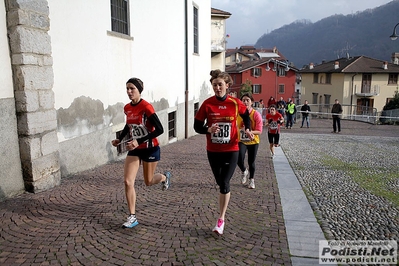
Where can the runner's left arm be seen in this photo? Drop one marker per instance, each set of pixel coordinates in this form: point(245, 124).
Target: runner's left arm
point(154, 120)
point(246, 119)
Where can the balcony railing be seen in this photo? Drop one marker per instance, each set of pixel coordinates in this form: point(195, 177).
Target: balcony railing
point(368, 91)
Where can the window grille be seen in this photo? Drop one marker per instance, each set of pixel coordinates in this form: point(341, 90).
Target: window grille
point(195, 30)
point(119, 16)
point(172, 125)
point(196, 108)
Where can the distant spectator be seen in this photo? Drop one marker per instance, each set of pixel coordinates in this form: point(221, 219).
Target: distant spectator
point(261, 104)
point(336, 111)
point(281, 105)
point(305, 109)
point(271, 102)
point(290, 112)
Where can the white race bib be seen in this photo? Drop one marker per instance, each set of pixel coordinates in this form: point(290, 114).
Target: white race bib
point(243, 136)
point(224, 134)
point(138, 131)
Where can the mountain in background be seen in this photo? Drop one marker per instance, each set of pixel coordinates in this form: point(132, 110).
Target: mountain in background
point(364, 33)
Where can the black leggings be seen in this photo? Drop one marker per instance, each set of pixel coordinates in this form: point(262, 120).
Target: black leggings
point(252, 151)
point(223, 165)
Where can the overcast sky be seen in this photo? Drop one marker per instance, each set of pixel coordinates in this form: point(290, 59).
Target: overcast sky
point(251, 19)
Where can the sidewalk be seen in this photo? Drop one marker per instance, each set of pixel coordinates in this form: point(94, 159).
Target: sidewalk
point(79, 222)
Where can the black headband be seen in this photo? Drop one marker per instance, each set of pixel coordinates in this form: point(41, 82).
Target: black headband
point(136, 83)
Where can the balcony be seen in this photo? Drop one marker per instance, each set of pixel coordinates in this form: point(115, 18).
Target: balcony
point(369, 91)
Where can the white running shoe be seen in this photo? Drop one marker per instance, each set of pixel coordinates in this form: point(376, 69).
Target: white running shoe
point(166, 183)
point(244, 177)
point(131, 221)
point(219, 227)
point(251, 183)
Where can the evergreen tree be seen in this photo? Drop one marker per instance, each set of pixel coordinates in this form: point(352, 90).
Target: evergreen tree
point(246, 88)
point(394, 103)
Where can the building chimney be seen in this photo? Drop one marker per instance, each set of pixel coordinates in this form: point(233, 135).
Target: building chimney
point(311, 66)
point(395, 58)
point(336, 65)
point(385, 66)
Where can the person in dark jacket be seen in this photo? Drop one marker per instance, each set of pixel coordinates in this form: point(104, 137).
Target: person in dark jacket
point(336, 111)
point(305, 109)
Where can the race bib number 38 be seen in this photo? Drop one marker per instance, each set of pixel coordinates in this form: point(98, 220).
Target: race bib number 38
point(224, 134)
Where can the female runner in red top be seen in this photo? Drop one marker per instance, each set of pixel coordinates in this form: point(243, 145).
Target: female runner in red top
point(217, 118)
point(143, 127)
point(273, 122)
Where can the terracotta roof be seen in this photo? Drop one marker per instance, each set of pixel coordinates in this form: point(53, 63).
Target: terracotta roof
point(245, 65)
point(255, 52)
point(215, 11)
point(357, 64)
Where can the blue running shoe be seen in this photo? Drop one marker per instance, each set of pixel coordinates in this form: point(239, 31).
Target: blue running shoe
point(166, 184)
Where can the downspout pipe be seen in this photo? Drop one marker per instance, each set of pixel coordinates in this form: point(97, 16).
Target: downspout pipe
point(353, 78)
point(186, 69)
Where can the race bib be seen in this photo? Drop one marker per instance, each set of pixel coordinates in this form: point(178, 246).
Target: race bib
point(224, 134)
point(273, 125)
point(243, 136)
point(138, 131)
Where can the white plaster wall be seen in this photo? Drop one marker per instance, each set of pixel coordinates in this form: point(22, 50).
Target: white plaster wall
point(100, 68)
point(158, 29)
point(87, 61)
point(6, 86)
point(200, 65)
point(91, 62)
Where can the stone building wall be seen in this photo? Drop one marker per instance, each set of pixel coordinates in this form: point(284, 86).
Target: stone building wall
point(30, 47)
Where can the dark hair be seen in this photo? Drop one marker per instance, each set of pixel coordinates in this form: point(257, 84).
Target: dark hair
point(136, 82)
point(223, 75)
point(249, 95)
point(272, 106)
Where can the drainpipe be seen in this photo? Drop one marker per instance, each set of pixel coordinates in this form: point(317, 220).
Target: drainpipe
point(353, 77)
point(186, 69)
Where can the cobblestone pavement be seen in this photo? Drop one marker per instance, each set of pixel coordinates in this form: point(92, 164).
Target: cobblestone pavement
point(79, 222)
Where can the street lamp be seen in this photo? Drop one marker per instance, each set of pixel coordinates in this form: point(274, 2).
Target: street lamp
point(394, 36)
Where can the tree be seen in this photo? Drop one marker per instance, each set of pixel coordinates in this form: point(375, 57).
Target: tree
point(394, 103)
point(390, 113)
point(246, 87)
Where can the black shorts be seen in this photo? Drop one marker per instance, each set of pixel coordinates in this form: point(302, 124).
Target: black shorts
point(147, 155)
point(273, 138)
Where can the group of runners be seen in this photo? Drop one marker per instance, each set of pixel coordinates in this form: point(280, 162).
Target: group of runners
point(232, 128)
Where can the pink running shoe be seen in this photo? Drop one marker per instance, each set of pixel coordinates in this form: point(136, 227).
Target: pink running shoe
point(219, 227)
